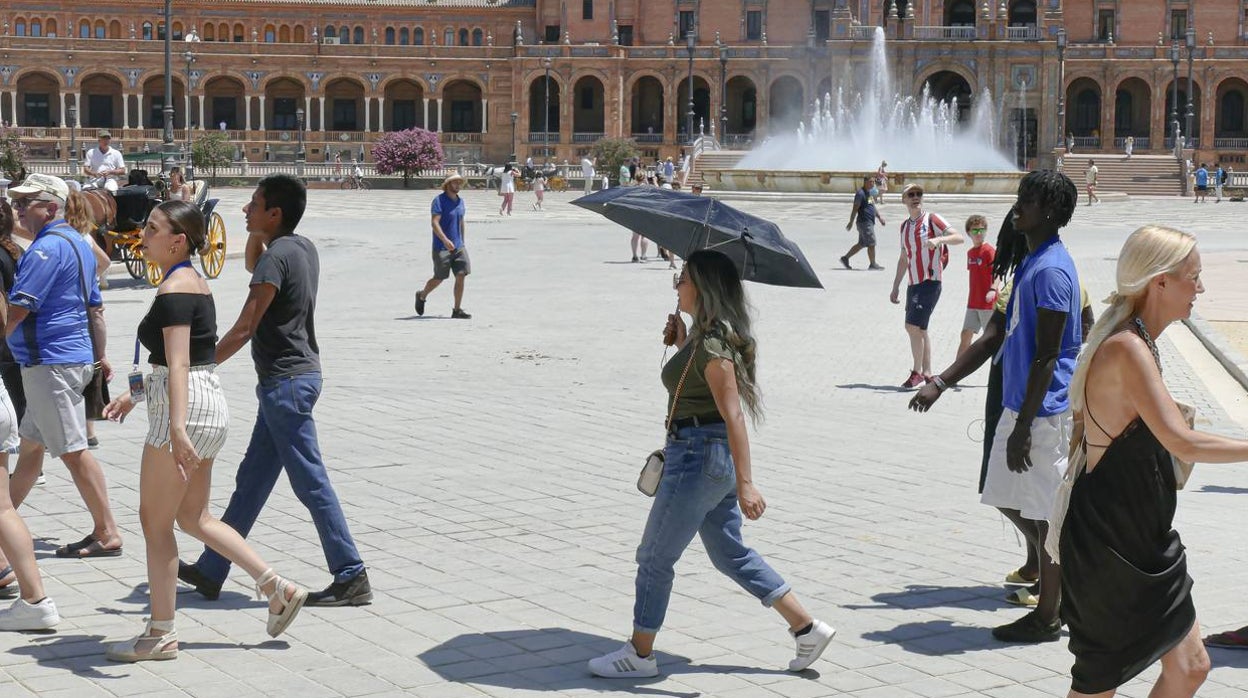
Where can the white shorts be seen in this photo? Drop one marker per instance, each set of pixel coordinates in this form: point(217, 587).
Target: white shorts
point(1030, 492)
point(207, 417)
point(8, 423)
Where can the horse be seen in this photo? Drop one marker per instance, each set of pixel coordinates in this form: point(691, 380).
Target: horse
point(103, 208)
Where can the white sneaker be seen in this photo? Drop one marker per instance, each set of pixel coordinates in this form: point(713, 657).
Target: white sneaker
point(41, 480)
point(624, 664)
point(25, 616)
point(811, 645)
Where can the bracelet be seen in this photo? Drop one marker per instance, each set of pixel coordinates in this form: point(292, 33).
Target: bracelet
point(940, 383)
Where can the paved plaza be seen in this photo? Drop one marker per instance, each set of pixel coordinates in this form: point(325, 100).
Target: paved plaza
point(487, 468)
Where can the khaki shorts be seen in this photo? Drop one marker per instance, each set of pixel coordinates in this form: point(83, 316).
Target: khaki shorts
point(976, 320)
point(56, 414)
point(444, 263)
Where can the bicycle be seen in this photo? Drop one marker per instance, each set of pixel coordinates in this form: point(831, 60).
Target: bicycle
point(356, 182)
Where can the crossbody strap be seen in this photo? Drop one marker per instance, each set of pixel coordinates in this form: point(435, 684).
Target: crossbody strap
point(86, 295)
point(679, 385)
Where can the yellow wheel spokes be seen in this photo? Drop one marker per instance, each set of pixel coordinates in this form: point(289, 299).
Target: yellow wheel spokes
point(213, 261)
point(154, 274)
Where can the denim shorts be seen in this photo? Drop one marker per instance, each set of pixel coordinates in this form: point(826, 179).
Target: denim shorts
point(920, 302)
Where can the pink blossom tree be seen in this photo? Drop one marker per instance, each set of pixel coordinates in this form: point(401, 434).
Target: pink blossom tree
point(408, 152)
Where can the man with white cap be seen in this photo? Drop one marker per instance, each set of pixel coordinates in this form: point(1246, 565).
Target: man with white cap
point(449, 254)
point(104, 164)
point(50, 328)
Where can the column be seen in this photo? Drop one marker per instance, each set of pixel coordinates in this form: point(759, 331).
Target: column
point(78, 116)
point(64, 121)
point(138, 112)
point(307, 110)
point(321, 122)
point(438, 111)
point(201, 112)
point(247, 112)
point(125, 111)
point(368, 113)
point(485, 114)
point(424, 112)
point(381, 114)
point(261, 112)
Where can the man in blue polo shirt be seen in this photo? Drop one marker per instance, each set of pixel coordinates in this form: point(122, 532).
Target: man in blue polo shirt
point(449, 253)
point(50, 332)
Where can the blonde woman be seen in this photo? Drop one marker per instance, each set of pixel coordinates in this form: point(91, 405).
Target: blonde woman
point(1126, 595)
point(708, 478)
point(187, 426)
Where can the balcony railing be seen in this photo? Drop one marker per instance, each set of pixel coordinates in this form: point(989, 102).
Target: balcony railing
point(945, 33)
point(459, 137)
point(587, 137)
point(1141, 142)
point(737, 140)
point(862, 32)
point(1026, 33)
point(648, 137)
point(1231, 143)
point(542, 136)
point(1087, 142)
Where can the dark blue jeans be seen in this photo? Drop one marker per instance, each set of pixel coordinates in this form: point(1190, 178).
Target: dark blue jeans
point(284, 438)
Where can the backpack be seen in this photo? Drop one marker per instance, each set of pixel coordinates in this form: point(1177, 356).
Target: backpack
point(1222, 176)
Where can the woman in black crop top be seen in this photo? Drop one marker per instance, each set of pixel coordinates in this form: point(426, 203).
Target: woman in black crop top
point(187, 426)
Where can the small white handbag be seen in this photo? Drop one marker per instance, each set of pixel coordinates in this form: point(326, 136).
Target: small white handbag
point(652, 471)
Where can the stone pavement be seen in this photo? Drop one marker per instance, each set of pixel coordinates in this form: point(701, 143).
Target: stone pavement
point(487, 468)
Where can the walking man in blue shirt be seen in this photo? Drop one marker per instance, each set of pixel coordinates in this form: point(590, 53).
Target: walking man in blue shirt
point(1202, 184)
point(53, 318)
point(449, 254)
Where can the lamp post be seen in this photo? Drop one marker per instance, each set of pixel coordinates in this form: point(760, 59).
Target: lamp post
point(300, 155)
point(514, 118)
point(689, 116)
point(73, 141)
point(1191, 49)
point(166, 150)
point(723, 92)
point(1061, 84)
point(1174, 96)
point(546, 114)
point(189, 57)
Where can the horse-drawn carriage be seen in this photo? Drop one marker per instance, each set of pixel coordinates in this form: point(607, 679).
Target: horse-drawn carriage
point(121, 216)
point(524, 182)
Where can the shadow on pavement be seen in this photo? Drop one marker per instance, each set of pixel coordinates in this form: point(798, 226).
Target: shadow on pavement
point(876, 388)
point(1222, 489)
point(79, 654)
point(979, 598)
point(553, 659)
point(938, 637)
point(1222, 657)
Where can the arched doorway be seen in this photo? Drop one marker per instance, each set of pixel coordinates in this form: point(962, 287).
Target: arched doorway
point(461, 107)
point(1022, 13)
point(404, 104)
point(38, 100)
point(1083, 108)
point(1231, 114)
point(588, 109)
point(742, 105)
point(1132, 111)
point(960, 13)
point(947, 87)
point(647, 114)
point(223, 97)
point(344, 98)
point(787, 104)
point(1187, 96)
point(153, 102)
point(544, 104)
point(101, 102)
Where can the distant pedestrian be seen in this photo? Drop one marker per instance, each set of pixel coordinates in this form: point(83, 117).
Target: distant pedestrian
point(587, 171)
point(338, 164)
point(625, 176)
point(539, 190)
point(707, 484)
point(1129, 145)
point(864, 215)
point(1070, 143)
point(669, 171)
point(449, 254)
point(924, 237)
point(1219, 179)
point(881, 182)
point(983, 289)
point(1202, 185)
point(1089, 179)
point(507, 188)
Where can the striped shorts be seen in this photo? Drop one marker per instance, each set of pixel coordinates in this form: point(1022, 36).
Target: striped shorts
point(207, 417)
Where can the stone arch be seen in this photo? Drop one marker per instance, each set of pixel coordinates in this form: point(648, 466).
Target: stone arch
point(701, 105)
point(405, 100)
point(787, 103)
point(344, 95)
point(742, 99)
point(946, 86)
point(1132, 108)
point(38, 97)
point(101, 95)
point(1084, 103)
point(223, 97)
point(544, 101)
point(300, 35)
point(384, 85)
point(152, 102)
point(283, 34)
point(114, 29)
point(462, 106)
point(589, 113)
point(647, 113)
point(1187, 93)
point(1231, 109)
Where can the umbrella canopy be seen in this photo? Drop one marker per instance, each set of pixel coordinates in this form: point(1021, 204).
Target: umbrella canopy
point(685, 223)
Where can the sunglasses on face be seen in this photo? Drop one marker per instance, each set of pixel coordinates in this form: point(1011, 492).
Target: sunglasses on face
point(20, 204)
point(978, 231)
point(914, 195)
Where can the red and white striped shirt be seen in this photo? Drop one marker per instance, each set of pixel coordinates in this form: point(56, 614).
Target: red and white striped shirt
point(924, 263)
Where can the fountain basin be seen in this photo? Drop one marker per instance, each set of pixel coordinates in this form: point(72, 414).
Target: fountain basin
point(832, 182)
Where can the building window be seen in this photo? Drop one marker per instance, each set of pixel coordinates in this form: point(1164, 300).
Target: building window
point(284, 113)
point(687, 22)
point(344, 115)
point(552, 33)
point(587, 98)
point(36, 28)
point(418, 36)
point(99, 30)
point(587, 9)
point(463, 37)
point(478, 37)
point(389, 36)
point(404, 115)
point(1178, 24)
point(270, 36)
point(462, 120)
point(1104, 24)
point(147, 31)
point(448, 37)
point(84, 31)
point(626, 35)
point(37, 111)
point(754, 25)
point(823, 25)
point(358, 36)
point(344, 35)
point(405, 37)
point(160, 32)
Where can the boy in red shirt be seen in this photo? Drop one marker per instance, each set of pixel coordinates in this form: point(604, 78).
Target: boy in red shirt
point(983, 294)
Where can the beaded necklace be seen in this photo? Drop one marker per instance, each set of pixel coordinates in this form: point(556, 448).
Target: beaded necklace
point(1148, 339)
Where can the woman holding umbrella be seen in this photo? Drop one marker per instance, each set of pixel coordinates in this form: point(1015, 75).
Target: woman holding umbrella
point(708, 479)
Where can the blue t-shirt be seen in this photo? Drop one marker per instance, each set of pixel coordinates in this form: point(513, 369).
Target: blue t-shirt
point(49, 286)
point(452, 212)
point(1202, 177)
point(1046, 279)
point(866, 207)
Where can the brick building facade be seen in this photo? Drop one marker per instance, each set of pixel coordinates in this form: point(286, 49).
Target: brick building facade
point(563, 73)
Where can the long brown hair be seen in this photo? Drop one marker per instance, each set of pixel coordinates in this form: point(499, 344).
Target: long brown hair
point(723, 312)
point(7, 222)
point(78, 213)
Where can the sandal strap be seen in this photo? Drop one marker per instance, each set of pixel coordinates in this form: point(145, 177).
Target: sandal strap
point(266, 577)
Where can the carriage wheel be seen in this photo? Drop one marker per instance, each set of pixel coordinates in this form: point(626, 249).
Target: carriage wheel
point(130, 256)
point(153, 273)
point(559, 184)
point(213, 261)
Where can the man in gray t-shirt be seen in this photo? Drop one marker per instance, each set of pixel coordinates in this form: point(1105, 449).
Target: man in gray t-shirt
point(277, 318)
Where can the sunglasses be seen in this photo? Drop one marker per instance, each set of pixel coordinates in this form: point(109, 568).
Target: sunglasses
point(914, 195)
point(19, 204)
point(978, 231)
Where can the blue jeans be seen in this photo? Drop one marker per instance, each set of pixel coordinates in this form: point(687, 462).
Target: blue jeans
point(285, 438)
point(698, 494)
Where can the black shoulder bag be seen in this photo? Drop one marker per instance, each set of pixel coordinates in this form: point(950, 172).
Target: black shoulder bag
point(95, 392)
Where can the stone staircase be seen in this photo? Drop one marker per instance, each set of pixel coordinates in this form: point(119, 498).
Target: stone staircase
point(1142, 175)
point(713, 160)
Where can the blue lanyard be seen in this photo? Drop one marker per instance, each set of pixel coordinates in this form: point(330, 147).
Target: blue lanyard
point(179, 265)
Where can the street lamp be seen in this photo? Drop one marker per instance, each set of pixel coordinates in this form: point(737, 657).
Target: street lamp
point(514, 118)
point(73, 141)
point(689, 116)
point(1061, 83)
point(546, 114)
point(1191, 49)
point(300, 155)
point(1174, 95)
point(166, 150)
point(189, 57)
point(723, 92)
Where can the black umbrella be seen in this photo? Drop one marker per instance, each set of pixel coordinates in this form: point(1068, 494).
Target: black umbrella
point(686, 223)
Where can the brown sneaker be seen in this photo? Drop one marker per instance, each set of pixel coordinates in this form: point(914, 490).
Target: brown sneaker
point(459, 314)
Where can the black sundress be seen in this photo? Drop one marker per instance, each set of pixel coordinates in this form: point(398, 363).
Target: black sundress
point(1126, 595)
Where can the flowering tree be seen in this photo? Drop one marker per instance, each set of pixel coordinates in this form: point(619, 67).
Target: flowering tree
point(408, 152)
point(12, 154)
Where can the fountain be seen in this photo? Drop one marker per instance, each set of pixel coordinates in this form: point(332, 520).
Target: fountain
point(849, 134)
